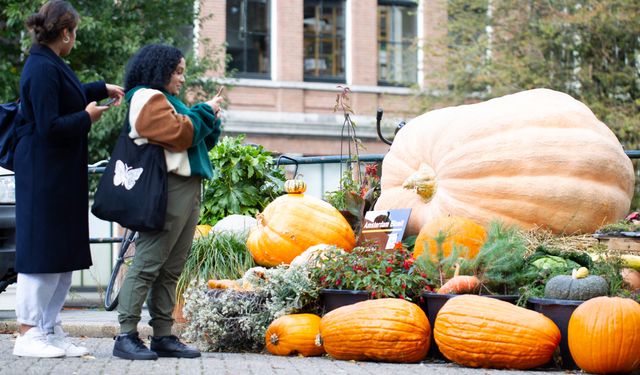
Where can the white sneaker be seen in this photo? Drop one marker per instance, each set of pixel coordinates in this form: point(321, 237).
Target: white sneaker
point(60, 340)
point(34, 344)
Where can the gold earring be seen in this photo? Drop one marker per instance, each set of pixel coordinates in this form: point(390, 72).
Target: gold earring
point(66, 39)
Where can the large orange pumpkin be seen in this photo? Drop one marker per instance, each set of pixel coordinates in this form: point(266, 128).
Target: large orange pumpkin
point(538, 157)
point(460, 232)
point(478, 331)
point(604, 335)
point(294, 222)
point(386, 329)
point(294, 334)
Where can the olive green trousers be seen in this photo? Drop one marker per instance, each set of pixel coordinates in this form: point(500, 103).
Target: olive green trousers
point(159, 260)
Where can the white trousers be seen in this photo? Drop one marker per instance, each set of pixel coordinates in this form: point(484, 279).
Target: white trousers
point(40, 297)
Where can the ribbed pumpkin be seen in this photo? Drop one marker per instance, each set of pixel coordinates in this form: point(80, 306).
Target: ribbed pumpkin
point(386, 329)
point(459, 232)
point(478, 331)
point(294, 222)
point(295, 334)
point(521, 158)
point(604, 335)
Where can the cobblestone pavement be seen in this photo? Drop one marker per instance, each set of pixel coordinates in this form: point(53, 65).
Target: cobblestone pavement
point(102, 362)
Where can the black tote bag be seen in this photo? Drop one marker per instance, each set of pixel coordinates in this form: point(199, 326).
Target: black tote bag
point(133, 189)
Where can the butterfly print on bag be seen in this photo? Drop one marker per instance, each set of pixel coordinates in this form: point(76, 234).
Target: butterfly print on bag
point(125, 175)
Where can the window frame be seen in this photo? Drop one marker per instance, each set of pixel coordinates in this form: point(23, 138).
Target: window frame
point(248, 37)
point(341, 38)
point(405, 45)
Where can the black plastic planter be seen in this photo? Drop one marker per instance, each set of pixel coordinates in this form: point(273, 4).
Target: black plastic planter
point(559, 311)
point(331, 299)
point(433, 302)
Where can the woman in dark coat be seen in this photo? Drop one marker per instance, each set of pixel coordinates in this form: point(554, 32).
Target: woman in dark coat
point(50, 163)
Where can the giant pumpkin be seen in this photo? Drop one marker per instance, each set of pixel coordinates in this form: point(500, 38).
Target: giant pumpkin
point(478, 331)
point(535, 158)
point(294, 222)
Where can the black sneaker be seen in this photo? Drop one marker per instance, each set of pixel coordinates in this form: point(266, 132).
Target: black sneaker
point(170, 346)
point(129, 346)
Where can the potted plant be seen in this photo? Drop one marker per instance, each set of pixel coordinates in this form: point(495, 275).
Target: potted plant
point(245, 180)
point(497, 271)
point(359, 182)
point(565, 279)
point(366, 272)
point(217, 255)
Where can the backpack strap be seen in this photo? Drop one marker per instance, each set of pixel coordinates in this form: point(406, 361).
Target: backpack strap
point(22, 128)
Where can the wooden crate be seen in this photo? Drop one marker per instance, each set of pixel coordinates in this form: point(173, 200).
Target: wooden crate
point(621, 244)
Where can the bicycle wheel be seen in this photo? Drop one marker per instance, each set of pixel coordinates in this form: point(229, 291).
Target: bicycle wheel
point(124, 261)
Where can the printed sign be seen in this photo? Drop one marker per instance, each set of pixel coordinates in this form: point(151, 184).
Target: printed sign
point(384, 227)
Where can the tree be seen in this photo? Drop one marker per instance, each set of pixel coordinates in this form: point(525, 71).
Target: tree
point(108, 34)
point(589, 49)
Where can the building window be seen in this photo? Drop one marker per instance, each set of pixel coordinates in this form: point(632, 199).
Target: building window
point(397, 43)
point(324, 40)
point(248, 38)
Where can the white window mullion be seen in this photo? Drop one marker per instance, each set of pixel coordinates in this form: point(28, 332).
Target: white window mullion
point(273, 39)
point(420, 49)
point(348, 70)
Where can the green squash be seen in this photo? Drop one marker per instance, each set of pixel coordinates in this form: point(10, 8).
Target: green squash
point(576, 288)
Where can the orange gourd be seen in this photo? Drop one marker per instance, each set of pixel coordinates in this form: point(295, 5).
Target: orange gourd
point(386, 329)
point(604, 335)
point(295, 334)
point(519, 158)
point(459, 232)
point(478, 331)
point(460, 284)
point(294, 222)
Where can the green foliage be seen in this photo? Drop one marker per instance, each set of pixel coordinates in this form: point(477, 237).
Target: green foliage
point(108, 34)
point(220, 255)
point(229, 320)
point(500, 264)
point(245, 180)
point(385, 273)
point(438, 268)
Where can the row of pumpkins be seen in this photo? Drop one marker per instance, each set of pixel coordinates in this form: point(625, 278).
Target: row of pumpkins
point(534, 158)
point(470, 330)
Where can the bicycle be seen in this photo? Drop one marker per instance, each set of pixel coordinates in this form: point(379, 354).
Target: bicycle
point(123, 262)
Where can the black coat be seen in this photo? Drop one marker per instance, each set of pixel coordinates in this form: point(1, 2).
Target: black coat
point(52, 227)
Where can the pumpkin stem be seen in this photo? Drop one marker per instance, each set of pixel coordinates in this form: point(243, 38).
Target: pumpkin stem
point(274, 339)
point(456, 273)
point(260, 219)
point(422, 182)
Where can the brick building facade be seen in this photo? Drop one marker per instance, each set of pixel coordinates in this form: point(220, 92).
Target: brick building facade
point(279, 105)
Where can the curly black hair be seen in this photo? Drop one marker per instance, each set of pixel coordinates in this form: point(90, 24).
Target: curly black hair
point(152, 66)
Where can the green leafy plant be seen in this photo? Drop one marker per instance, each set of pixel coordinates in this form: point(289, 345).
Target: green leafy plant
point(384, 273)
point(500, 264)
point(245, 180)
point(220, 255)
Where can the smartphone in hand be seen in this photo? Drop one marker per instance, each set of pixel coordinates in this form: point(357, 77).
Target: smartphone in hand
point(108, 102)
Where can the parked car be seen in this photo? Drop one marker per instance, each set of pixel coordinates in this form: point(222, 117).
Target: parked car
point(7, 229)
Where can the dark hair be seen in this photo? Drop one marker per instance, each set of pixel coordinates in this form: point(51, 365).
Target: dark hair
point(152, 66)
point(53, 17)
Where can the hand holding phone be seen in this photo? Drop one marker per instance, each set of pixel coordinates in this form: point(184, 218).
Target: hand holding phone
point(108, 102)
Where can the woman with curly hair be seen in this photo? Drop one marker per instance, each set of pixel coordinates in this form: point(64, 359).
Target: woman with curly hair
point(50, 164)
point(153, 79)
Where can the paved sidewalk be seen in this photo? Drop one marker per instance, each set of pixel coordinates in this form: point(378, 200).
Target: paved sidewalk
point(95, 329)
